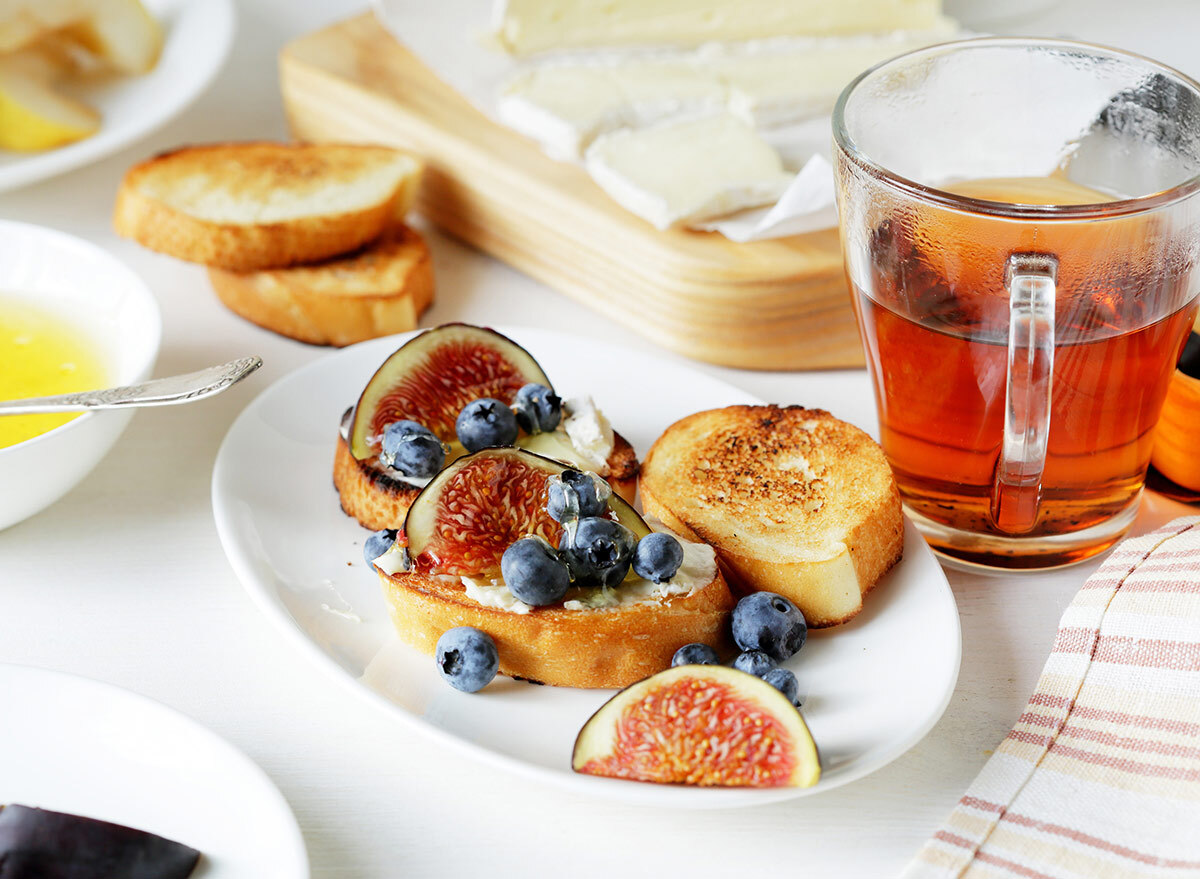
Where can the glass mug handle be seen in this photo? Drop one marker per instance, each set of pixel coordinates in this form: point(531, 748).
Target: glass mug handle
point(1017, 485)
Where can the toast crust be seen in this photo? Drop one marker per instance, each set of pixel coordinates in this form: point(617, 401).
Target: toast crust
point(595, 648)
point(162, 202)
point(376, 291)
point(378, 501)
point(793, 500)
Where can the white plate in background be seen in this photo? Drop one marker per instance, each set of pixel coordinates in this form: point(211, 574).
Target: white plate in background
point(197, 37)
point(80, 746)
point(872, 688)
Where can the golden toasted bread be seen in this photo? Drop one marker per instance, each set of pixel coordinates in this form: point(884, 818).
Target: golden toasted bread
point(376, 291)
point(591, 647)
point(379, 501)
point(793, 500)
point(250, 206)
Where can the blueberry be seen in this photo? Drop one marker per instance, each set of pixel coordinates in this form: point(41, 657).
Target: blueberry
point(377, 544)
point(754, 662)
point(412, 449)
point(575, 494)
point(770, 623)
point(534, 573)
point(486, 423)
point(467, 658)
point(695, 654)
point(600, 553)
point(657, 557)
point(538, 408)
point(785, 682)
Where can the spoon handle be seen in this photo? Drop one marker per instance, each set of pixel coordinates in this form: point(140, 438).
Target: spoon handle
point(156, 392)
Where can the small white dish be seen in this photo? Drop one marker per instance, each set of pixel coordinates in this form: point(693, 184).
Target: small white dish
point(79, 746)
point(198, 36)
point(872, 688)
point(66, 274)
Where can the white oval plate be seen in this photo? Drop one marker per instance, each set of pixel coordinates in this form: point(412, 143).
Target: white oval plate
point(197, 39)
point(80, 746)
point(871, 689)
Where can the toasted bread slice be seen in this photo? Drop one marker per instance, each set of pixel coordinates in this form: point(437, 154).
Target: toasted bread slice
point(250, 206)
point(594, 647)
point(377, 291)
point(793, 500)
point(379, 501)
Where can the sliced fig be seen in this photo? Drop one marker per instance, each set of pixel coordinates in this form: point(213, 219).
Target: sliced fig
point(461, 523)
point(705, 725)
point(431, 377)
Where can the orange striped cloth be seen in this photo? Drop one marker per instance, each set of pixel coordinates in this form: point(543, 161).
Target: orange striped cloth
point(1101, 775)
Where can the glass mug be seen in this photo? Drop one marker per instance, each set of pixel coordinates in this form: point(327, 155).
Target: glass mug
point(1021, 231)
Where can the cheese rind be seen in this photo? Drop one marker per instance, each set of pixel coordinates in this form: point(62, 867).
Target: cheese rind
point(780, 82)
point(685, 171)
point(566, 106)
point(527, 26)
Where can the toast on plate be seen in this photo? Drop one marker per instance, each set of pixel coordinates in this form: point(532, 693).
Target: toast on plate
point(250, 206)
point(430, 380)
point(378, 499)
point(445, 571)
point(376, 291)
point(793, 500)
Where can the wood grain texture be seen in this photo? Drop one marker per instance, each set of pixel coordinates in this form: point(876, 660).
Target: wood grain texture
point(779, 304)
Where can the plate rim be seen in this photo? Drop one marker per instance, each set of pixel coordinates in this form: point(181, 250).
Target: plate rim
point(235, 755)
point(676, 796)
point(39, 166)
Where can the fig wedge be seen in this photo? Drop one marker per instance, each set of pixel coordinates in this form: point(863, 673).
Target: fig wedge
point(705, 725)
point(432, 376)
point(461, 523)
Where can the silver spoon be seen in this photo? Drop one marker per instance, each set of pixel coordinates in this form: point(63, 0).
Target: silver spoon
point(156, 392)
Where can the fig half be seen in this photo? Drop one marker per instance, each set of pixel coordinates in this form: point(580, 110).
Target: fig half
point(463, 521)
point(705, 725)
point(433, 376)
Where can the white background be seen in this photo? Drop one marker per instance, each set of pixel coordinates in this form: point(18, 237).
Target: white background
point(124, 580)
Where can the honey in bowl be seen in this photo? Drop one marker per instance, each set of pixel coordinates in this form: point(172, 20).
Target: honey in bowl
point(43, 352)
point(936, 325)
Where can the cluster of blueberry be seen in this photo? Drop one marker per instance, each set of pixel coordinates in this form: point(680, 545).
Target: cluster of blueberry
point(594, 552)
point(768, 629)
point(415, 451)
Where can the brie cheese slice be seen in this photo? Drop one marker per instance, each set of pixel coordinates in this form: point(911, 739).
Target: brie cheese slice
point(566, 106)
point(527, 26)
point(684, 171)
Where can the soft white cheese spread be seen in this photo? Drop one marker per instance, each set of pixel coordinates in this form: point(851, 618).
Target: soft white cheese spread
point(590, 432)
point(492, 593)
point(697, 571)
point(394, 561)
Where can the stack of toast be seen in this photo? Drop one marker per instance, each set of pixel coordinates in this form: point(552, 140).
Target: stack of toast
point(306, 240)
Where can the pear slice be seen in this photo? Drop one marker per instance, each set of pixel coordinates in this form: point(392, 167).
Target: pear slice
point(25, 22)
point(122, 33)
point(35, 117)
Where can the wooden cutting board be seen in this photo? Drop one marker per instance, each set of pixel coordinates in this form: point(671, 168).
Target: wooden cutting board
point(780, 304)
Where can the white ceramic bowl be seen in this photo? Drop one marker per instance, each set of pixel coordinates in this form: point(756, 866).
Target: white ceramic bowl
point(63, 272)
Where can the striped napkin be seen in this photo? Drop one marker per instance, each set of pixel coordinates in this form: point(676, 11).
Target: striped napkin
point(1101, 775)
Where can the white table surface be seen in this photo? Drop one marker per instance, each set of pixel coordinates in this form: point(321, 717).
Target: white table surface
point(124, 580)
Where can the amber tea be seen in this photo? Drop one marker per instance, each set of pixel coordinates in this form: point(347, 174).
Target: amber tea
point(936, 324)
